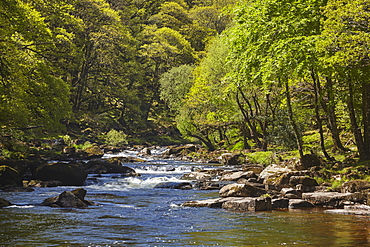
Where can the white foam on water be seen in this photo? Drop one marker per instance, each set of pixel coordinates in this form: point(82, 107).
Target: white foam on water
point(125, 184)
point(164, 169)
point(21, 206)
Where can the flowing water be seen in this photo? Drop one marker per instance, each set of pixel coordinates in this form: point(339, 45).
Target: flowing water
point(131, 212)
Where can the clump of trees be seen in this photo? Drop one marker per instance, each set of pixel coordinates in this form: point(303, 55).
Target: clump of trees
point(282, 70)
point(237, 74)
point(95, 63)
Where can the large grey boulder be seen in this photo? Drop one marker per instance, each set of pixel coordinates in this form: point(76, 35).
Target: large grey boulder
point(206, 174)
point(332, 199)
point(248, 204)
point(210, 203)
point(234, 203)
point(241, 190)
point(235, 176)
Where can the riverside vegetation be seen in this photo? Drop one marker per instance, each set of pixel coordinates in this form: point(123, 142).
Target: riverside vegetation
point(269, 80)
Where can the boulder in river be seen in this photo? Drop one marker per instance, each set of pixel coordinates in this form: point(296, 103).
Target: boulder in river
point(291, 193)
point(277, 178)
point(206, 174)
point(299, 203)
point(280, 203)
point(68, 174)
point(9, 177)
point(332, 199)
point(234, 203)
point(101, 166)
point(241, 190)
point(235, 176)
point(70, 199)
point(210, 203)
point(248, 204)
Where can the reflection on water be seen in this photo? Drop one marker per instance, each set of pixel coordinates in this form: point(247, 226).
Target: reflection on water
point(132, 212)
point(279, 228)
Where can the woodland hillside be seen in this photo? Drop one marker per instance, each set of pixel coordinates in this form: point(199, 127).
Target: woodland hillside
point(235, 74)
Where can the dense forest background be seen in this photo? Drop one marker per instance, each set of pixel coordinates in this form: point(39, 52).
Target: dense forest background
point(252, 74)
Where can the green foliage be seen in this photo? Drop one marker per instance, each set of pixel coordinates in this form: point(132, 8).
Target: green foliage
point(116, 138)
point(31, 91)
point(175, 84)
point(263, 158)
point(68, 140)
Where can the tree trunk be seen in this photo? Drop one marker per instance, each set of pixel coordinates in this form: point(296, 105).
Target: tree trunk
point(330, 112)
point(247, 119)
point(366, 119)
point(354, 125)
point(297, 133)
point(205, 140)
point(317, 114)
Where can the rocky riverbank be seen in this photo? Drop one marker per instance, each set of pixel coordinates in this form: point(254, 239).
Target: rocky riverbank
point(287, 185)
point(242, 185)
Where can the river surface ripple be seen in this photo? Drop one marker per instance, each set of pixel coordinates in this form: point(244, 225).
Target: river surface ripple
point(132, 212)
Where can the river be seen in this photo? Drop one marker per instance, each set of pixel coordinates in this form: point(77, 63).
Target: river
point(131, 212)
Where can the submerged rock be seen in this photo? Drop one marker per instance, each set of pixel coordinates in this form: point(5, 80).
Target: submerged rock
point(70, 199)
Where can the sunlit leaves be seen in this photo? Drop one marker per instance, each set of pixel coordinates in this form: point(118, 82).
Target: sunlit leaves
point(346, 33)
point(30, 91)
